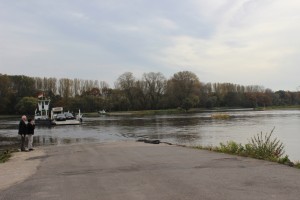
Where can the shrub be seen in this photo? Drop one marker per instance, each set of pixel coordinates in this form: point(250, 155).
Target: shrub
point(263, 147)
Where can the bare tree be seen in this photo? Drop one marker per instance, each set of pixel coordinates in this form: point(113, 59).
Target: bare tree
point(38, 83)
point(126, 83)
point(154, 87)
point(66, 88)
point(52, 85)
point(77, 90)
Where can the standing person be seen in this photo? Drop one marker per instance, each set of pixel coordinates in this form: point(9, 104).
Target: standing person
point(23, 131)
point(30, 133)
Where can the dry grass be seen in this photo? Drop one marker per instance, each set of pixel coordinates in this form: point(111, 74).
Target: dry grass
point(220, 116)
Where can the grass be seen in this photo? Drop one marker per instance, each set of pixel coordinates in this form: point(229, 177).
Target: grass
point(220, 116)
point(281, 107)
point(9, 116)
point(261, 146)
point(297, 164)
point(5, 155)
point(8, 145)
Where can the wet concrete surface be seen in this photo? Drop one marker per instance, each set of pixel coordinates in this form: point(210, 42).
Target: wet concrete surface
point(131, 170)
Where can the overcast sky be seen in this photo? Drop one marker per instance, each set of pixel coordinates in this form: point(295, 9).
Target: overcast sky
point(248, 42)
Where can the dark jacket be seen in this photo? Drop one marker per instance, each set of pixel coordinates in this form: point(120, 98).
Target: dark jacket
point(22, 128)
point(30, 128)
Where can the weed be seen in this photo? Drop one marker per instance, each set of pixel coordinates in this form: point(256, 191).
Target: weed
point(231, 147)
point(263, 147)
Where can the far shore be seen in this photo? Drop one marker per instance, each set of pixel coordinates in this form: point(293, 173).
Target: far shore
point(193, 110)
point(174, 111)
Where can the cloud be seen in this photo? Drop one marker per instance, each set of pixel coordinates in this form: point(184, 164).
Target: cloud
point(245, 47)
point(239, 41)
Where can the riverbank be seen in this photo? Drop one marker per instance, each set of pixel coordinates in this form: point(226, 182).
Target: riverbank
point(166, 111)
point(281, 107)
point(192, 110)
point(132, 170)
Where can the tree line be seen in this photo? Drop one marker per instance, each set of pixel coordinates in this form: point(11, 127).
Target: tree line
point(18, 94)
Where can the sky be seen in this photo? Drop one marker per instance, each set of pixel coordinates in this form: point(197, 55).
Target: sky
point(247, 42)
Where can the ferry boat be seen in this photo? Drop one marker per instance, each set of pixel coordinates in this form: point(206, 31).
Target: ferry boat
point(41, 115)
point(57, 116)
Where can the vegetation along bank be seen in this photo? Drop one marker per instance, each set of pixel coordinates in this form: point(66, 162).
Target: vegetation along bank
point(153, 91)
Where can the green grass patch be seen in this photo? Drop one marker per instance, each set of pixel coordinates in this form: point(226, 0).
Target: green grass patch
point(5, 155)
point(261, 146)
point(297, 164)
point(9, 116)
point(294, 107)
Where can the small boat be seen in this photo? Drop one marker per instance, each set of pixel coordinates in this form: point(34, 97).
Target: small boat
point(102, 112)
point(57, 115)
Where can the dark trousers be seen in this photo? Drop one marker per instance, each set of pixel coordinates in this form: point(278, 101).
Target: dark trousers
point(23, 142)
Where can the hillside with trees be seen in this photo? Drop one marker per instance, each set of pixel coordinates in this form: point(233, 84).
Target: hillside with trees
point(18, 94)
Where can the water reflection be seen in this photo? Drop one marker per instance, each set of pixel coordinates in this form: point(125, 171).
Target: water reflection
point(191, 129)
point(48, 140)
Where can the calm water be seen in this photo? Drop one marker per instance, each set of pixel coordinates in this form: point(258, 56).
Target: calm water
point(191, 129)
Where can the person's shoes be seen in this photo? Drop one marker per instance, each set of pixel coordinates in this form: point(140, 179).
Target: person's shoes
point(30, 149)
point(24, 150)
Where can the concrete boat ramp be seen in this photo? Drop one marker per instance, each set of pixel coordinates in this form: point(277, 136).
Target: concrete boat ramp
point(137, 171)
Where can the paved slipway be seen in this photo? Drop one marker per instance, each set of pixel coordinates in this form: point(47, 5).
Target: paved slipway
point(137, 171)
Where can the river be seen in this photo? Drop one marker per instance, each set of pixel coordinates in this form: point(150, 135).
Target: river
point(186, 129)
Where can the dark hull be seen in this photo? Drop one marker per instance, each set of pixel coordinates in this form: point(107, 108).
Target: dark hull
point(44, 122)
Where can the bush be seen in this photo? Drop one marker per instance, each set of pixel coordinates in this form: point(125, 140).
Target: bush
point(263, 147)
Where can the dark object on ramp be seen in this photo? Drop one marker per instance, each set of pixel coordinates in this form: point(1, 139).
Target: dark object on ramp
point(149, 141)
